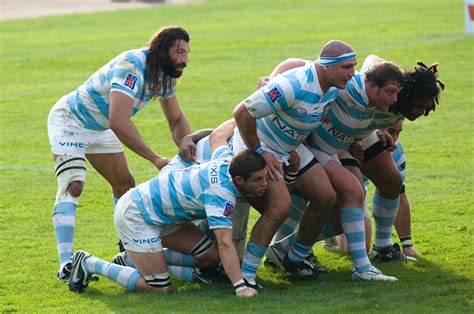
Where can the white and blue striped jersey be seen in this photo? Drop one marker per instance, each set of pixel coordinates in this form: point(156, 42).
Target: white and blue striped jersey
point(89, 103)
point(347, 119)
point(288, 108)
point(182, 195)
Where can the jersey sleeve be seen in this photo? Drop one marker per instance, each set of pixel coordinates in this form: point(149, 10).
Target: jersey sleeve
point(126, 78)
point(222, 152)
point(219, 206)
point(276, 96)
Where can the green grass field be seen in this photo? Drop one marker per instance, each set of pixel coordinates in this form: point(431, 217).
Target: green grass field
point(233, 43)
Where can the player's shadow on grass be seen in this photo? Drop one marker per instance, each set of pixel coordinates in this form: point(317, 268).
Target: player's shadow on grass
point(423, 280)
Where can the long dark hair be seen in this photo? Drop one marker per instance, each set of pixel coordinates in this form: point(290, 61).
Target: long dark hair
point(158, 53)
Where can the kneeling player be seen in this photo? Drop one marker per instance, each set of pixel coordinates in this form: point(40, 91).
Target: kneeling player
point(157, 212)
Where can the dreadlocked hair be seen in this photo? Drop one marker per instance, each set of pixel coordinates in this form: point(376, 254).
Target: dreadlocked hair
point(158, 52)
point(422, 82)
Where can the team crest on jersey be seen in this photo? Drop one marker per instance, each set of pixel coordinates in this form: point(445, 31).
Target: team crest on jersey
point(130, 81)
point(274, 94)
point(229, 209)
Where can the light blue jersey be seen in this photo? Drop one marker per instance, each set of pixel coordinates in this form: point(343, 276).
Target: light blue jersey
point(89, 103)
point(288, 108)
point(182, 195)
point(346, 120)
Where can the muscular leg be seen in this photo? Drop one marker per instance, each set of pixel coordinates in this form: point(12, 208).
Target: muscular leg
point(350, 196)
point(314, 185)
point(403, 226)
point(113, 167)
point(275, 211)
point(71, 175)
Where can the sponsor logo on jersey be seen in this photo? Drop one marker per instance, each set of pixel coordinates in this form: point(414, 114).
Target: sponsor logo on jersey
point(228, 209)
point(288, 130)
point(213, 175)
point(274, 94)
point(130, 81)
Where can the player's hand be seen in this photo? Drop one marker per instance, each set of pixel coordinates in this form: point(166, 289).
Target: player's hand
point(187, 149)
point(247, 293)
point(160, 162)
point(275, 172)
point(357, 152)
point(293, 163)
point(387, 139)
point(262, 81)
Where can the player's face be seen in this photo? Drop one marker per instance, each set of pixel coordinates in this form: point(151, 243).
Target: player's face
point(395, 130)
point(256, 184)
point(177, 58)
point(385, 96)
point(339, 74)
point(417, 108)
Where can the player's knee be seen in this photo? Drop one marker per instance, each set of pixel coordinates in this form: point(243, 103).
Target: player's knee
point(75, 188)
point(205, 253)
point(208, 260)
point(278, 210)
point(123, 185)
point(392, 186)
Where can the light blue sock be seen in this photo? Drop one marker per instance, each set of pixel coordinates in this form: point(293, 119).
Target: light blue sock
point(64, 219)
point(251, 261)
point(384, 212)
point(298, 252)
point(123, 275)
point(352, 220)
point(179, 259)
point(183, 273)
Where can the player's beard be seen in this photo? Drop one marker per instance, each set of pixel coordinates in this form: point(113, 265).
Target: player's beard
point(171, 69)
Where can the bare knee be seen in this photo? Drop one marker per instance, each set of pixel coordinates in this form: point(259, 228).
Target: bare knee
point(75, 188)
point(208, 260)
point(122, 186)
point(391, 186)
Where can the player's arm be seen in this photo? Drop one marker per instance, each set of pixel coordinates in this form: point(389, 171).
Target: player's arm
point(284, 66)
point(120, 111)
point(371, 60)
point(219, 136)
point(177, 122)
point(230, 261)
point(187, 148)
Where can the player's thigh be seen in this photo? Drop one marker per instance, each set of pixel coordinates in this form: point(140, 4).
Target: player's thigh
point(184, 239)
point(113, 167)
point(383, 172)
point(314, 185)
point(344, 182)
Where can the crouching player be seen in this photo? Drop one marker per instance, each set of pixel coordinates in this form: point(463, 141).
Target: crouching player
point(159, 212)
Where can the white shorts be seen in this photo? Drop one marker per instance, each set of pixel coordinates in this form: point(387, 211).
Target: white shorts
point(306, 157)
point(322, 157)
point(135, 233)
point(68, 137)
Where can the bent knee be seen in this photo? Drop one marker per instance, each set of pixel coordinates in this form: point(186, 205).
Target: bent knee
point(122, 186)
point(75, 188)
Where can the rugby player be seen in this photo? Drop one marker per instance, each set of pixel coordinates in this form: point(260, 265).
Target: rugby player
point(91, 121)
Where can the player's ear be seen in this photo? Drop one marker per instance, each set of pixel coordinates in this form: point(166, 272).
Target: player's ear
point(239, 180)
